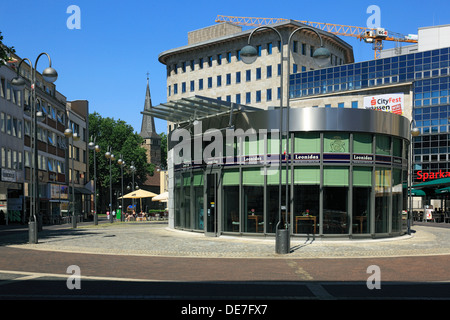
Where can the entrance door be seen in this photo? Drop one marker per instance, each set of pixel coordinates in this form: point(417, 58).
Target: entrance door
point(212, 206)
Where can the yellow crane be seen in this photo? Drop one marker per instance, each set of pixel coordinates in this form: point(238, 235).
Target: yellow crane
point(375, 36)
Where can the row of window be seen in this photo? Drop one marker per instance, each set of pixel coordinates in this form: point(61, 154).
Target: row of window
point(201, 62)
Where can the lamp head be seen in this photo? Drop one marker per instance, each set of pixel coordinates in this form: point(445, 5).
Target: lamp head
point(68, 132)
point(18, 83)
point(322, 56)
point(415, 132)
point(249, 54)
point(50, 75)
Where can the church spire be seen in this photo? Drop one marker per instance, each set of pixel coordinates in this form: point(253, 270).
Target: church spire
point(148, 129)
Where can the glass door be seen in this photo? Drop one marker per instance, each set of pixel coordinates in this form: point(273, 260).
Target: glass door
point(212, 207)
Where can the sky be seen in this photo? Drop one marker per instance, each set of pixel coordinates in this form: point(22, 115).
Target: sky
point(107, 59)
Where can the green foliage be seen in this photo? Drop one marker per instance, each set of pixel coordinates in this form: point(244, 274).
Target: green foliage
point(123, 141)
point(4, 51)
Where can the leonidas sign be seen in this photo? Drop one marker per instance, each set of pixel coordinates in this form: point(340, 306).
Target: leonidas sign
point(385, 102)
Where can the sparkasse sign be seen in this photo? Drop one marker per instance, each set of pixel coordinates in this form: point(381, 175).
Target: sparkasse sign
point(424, 176)
point(393, 102)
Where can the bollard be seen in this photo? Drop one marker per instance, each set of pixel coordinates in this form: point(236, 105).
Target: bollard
point(282, 245)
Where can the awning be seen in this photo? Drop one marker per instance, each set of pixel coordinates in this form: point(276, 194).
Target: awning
point(418, 193)
point(80, 190)
point(433, 183)
point(442, 190)
point(194, 108)
point(162, 197)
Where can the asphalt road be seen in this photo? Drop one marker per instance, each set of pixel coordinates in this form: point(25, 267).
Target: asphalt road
point(33, 273)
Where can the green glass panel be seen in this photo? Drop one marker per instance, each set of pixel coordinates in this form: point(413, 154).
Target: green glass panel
point(362, 143)
point(307, 142)
point(273, 144)
point(273, 177)
point(253, 177)
point(307, 175)
point(335, 176)
point(187, 180)
point(383, 145)
point(336, 142)
point(230, 178)
point(198, 179)
point(397, 146)
point(362, 177)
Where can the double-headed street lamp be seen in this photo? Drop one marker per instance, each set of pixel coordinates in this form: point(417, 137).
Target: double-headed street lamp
point(18, 83)
point(249, 55)
point(111, 157)
point(75, 137)
point(96, 149)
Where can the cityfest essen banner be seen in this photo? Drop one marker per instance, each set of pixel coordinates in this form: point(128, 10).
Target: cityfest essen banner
point(393, 102)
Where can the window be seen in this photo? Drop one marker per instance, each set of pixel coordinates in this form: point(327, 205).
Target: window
point(219, 81)
point(258, 73)
point(219, 59)
point(238, 55)
point(192, 65)
point(192, 85)
point(248, 97)
point(175, 88)
point(228, 79)
point(200, 84)
point(183, 66)
point(340, 105)
point(355, 104)
point(183, 87)
point(200, 63)
point(210, 59)
point(258, 96)
point(248, 75)
point(269, 95)
point(238, 77)
point(269, 71)
point(304, 49)
point(295, 46)
point(269, 48)
point(238, 98)
point(209, 82)
point(259, 50)
point(294, 68)
point(228, 57)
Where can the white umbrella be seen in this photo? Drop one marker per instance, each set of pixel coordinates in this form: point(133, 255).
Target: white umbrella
point(162, 197)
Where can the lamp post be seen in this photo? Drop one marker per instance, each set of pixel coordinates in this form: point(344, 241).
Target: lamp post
point(18, 83)
point(133, 170)
point(249, 55)
point(111, 157)
point(121, 163)
point(414, 132)
point(96, 149)
point(75, 137)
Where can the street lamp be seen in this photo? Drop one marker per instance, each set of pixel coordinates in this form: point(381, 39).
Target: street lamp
point(75, 137)
point(249, 55)
point(121, 163)
point(111, 157)
point(18, 83)
point(414, 133)
point(96, 149)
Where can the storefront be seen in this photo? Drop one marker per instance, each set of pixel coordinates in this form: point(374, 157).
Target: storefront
point(347, 173)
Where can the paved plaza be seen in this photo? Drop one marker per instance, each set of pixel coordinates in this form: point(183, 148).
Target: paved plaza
point(155, 238)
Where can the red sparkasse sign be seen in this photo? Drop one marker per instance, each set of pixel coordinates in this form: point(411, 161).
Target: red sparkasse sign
point(424, 176)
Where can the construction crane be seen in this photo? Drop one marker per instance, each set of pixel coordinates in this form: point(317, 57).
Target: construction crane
point(375, 36)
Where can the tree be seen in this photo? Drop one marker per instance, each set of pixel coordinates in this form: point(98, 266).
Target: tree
point(5, 52)
point(123, 141)
point(163, 136)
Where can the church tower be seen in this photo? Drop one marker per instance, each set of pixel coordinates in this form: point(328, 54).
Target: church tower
point(152, 141)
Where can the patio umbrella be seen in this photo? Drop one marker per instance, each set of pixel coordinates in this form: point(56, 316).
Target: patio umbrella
point(139, 194)
point(162, 197)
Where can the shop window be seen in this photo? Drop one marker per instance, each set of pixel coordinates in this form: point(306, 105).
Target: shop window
point(306, 200)
point(230, 183)
point(397, 200)
point(335, 200)
point(253, 207)
point(382, 194)
point(362, 189)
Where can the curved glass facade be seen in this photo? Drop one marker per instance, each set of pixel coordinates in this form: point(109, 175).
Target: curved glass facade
point(340, 183)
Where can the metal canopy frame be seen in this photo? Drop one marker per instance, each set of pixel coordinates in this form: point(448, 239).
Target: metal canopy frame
point(194, 109)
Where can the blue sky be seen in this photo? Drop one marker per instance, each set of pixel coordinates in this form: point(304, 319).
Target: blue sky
point(107, 60)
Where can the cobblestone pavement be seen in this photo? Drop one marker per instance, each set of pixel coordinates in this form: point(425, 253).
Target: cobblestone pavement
point(156, 239)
